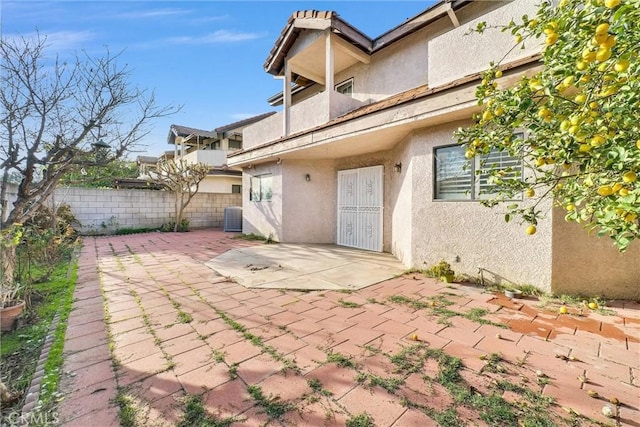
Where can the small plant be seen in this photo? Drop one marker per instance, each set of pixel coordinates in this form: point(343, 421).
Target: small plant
point(10, 295)
point(348, 304)
point(361, 420)
point(171, 226)
point(273, 406)
point(341, 360)
point(184, 317)
point(442, 270)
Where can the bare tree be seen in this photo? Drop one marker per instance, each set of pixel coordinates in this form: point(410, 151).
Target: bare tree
point(183, 179)
point(58, 115)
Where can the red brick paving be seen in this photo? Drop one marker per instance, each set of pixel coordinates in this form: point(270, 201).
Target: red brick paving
point(160, 360)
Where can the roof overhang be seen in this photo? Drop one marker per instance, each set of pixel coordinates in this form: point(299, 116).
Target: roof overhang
point(388, 121)
point(353, 43)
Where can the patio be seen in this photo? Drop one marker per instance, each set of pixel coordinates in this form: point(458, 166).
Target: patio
point(268, 356)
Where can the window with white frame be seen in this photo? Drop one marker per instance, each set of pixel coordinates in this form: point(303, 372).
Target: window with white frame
point(260, 188)
point(457, 178)
point(345, 88)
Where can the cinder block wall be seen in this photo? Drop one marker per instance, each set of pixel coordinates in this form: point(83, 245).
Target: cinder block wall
point(102, 211)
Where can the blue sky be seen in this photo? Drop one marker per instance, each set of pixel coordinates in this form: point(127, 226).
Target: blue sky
point(204, 55)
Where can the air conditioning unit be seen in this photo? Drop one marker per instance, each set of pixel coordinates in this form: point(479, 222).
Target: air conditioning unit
point(233, 218)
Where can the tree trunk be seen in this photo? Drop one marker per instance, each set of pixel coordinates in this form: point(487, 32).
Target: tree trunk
point(7, 263)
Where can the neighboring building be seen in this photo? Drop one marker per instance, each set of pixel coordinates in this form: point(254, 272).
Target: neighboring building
point(362, 153)
point(210, 148)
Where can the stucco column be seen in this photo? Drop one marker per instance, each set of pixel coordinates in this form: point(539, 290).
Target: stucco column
point(286, 98)
point(328, 71)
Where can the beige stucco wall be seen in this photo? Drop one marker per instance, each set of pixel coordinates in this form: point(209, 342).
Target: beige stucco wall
point(456, 54)
point(263, 217)
point(467, 234)
point(219, 184)
point(588, 265)
point(309, 207)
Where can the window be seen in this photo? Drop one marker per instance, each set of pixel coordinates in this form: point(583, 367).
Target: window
point(260, 188)
point(345, 88)
point(457, 178)
point(236, 188)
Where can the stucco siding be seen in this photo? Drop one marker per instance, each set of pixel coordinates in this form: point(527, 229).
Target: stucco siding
point(219, 184)
point(309, 207)
point(588, 265)
point(458, 53)
point(467, 234)
point(263, 217)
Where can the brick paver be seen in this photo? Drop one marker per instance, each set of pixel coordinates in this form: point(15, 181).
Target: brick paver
point(177, 329)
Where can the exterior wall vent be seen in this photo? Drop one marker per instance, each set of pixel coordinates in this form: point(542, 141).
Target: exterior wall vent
point(233, 218)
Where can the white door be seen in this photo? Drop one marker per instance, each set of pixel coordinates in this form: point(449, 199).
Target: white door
point(360, 208)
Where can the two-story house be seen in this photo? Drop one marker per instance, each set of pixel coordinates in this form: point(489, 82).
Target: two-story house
point(211, 148)
point(362, 153)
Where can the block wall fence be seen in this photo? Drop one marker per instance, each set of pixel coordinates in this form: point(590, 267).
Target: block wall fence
point(102, 211)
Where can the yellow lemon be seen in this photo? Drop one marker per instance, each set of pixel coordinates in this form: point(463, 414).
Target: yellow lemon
point(487, 115)
point(584, 148)
point(531, 230)
point(551, 39)
point(571, 207)
point(597, 140)
point(563, 310)
point(605, 190)
point(498, 74)
point(602, 28)
point(616, 187)
point(593, 305)
point(629, 177)
point(623, 192)
point(540, 161)
point(414, 337)
point(530, 192)
point(638, 144)
point(581, 98)
point(621, 65)
point(518, 38)
point(611, 3)
point(603, 54)
point(581, 65)
point(609, 42)
point(630, 217)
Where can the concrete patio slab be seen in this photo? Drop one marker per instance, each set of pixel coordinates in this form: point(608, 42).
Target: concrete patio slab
point(305, 266)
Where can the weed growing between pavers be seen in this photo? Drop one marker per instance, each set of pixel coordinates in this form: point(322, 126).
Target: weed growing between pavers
point(128, 412)
point(195, 415)
point(252, 338)
point(360, 420)
point(438, 306)
point(147, 323)
point(183, 317)
point(272, 405)
point(342, 360)
point(348, 304)
point(390, 384)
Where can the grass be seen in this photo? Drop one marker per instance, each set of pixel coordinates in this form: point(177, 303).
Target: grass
point(195, 415)
point(390, 384)
point(361, 420)
point(349, 304)
point(272, 405)
point(184, 317)
point(127, 413)
point(20, 349)
point(256, 237)
point(341, 360)
point(50, 379)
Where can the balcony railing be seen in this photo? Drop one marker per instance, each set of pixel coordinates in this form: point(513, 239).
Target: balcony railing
point(208, 157)
point(314, 111)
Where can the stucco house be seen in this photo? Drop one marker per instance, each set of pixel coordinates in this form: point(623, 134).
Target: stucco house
point(362, 152)
point(208, 147)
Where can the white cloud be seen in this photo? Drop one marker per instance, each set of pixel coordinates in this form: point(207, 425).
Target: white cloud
point(220, 36)
point(145, 14)
point(59, 41)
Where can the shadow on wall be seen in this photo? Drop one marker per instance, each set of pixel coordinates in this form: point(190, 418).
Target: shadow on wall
point(489, 277)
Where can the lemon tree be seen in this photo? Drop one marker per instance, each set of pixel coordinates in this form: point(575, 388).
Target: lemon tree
point(581, 115)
